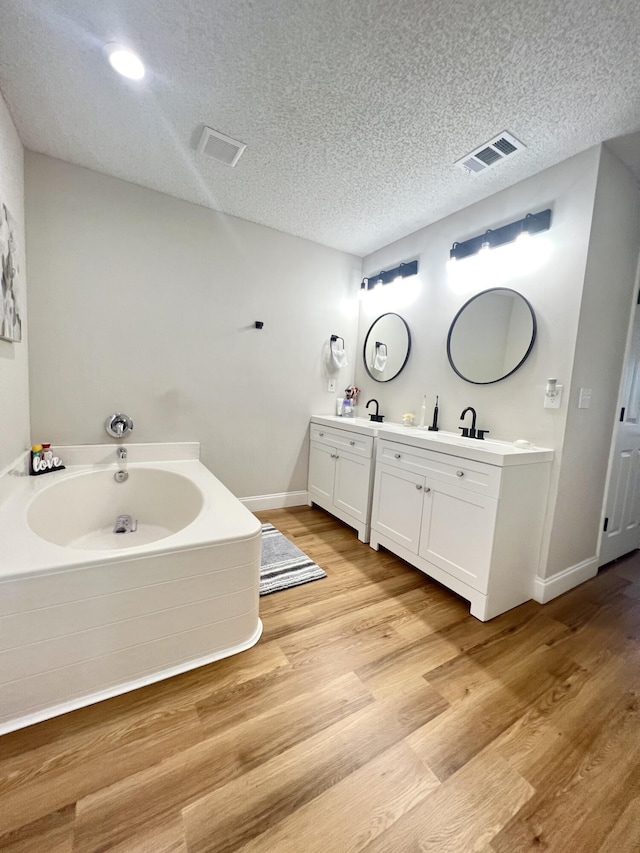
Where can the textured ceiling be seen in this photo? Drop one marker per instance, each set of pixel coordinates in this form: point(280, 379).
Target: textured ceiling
point(353, 111)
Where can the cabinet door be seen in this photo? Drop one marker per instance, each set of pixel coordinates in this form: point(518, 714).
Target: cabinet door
point(457, 532)
point(351, 487)
point(397, 506)
point(321, 471)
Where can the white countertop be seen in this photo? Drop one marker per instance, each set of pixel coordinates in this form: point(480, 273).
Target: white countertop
point(493, 452)
point(360, 425)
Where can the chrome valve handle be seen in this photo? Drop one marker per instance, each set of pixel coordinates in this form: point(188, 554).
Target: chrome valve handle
point(118, 425)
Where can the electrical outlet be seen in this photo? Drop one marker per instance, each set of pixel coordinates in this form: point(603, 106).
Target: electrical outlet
point(331, 386)
point(553, 402)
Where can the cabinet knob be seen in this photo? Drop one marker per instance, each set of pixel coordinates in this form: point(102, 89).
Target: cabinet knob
point(398, 456)
point(427, 489)
point(320, 434)
point(418, 486)
point(459, 473)
point(352, 443)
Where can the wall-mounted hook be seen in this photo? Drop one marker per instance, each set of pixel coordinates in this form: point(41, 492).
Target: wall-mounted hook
point(259, 324)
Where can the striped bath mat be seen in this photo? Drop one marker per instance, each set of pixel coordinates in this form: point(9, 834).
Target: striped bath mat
point(283, 564)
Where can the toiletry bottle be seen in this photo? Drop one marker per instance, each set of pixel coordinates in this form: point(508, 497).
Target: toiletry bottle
point(423, 413)
point(36, 456)
point(47, 452)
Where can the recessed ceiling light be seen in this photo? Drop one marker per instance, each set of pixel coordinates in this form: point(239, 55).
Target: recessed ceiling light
point(125, 61)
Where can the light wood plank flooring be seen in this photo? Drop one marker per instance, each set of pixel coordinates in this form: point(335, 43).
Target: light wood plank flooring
point(375, 714)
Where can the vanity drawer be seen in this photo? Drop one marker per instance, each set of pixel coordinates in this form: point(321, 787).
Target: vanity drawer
point(466, 473)
point(361, 445)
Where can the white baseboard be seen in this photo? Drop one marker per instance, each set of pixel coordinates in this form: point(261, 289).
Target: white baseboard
point(545, 589)
point(257, 503)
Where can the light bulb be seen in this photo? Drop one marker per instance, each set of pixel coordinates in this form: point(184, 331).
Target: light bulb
point(123, 60)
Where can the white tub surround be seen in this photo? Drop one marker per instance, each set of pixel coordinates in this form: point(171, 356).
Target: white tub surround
point(341, 465)
point(468, 513)
point(81, 621)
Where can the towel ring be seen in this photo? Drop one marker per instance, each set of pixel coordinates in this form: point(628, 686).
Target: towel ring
point(379, 346)
point(335, 338)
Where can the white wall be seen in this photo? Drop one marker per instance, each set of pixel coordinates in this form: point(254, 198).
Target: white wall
point(14, 381)
point(608, 301)
point(144, 304)
point(513, 408)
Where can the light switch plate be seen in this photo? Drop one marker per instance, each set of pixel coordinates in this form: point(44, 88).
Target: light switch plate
point(584, 401)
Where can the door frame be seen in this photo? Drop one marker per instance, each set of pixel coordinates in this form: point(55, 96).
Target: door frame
point(635, 312)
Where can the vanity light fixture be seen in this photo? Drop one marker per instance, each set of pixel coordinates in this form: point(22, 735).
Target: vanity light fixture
point(533, 223)
point(387, 276)
point(125, 61)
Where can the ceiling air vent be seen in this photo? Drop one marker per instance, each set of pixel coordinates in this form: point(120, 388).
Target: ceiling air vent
point(491, 153)
point(219, 147)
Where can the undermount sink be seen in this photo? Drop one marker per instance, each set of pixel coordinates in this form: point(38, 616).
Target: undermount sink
point(486, 450)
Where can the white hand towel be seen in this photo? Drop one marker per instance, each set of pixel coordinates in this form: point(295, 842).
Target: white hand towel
point(339, 357)
point(380, 361)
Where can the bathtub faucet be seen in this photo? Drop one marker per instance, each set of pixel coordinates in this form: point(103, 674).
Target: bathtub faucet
point(125, 524)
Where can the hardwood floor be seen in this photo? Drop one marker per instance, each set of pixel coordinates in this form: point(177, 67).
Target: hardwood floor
point(375, 714)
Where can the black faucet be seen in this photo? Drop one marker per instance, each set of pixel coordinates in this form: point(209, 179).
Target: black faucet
point(472, 432)
point(377, 417)
point(466, 432)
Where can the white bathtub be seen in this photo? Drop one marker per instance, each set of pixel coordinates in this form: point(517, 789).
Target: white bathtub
point(86, 613)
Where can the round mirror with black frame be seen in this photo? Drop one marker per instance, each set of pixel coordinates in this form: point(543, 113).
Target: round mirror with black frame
point(386, 347)
point(491, 336)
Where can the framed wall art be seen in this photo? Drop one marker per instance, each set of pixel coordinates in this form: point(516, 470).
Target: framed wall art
point(11, 285)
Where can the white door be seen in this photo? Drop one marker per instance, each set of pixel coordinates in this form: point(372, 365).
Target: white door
point(321, 471)
point(397, 506)
point(457, 532)
point(622, 503)
point(351, 489)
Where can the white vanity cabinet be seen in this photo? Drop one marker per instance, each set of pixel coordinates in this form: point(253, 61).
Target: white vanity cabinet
point(341, 471)
point(473, 525)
